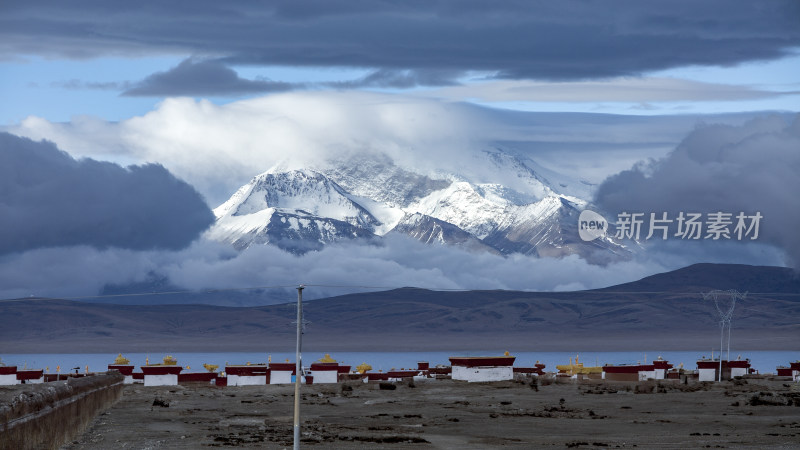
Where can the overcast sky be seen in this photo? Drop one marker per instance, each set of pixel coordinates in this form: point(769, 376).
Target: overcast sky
point(116, 59)
point(203, 95)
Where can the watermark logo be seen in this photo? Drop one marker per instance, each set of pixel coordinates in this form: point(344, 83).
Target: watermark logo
point(686, 225)
point(592, 225)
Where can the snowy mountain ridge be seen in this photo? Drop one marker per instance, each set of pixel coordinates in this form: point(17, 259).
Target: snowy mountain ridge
point(497, 203)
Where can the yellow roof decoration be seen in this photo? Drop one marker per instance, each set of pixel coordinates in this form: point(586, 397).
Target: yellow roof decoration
point(363, 368)
point(211, 367)
point(121, 360)
point(326, 359)
point(577, 368)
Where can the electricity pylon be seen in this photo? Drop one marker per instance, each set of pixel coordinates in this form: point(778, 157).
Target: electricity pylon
point(725, 316)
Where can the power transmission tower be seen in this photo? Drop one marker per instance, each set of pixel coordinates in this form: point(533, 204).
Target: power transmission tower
point(725, 315)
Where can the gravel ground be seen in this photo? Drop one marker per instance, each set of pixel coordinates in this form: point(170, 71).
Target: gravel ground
point(754, 413)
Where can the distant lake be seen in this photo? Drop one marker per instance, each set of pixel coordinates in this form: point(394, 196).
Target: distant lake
point(763, 361)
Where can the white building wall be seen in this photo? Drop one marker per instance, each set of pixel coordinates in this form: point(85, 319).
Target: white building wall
point(247, 380)
point(128, 379)
point(478, 374)
point(279, 377)
point(738, 371)
point(796, 375)
point(324, 376)
point(647, 374)
point(6, 380)
point(161, 380)
point(35, 381)
point(707, 374)
point(660, 374)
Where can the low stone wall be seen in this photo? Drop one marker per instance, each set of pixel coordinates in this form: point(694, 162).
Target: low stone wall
point(45, 416)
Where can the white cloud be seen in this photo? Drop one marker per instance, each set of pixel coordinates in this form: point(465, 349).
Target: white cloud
point(397, 262)
point(641, 90)
point(219, 148)
point(70, 271)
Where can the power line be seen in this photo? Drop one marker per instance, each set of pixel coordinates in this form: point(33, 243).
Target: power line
point(204, 291)
point(599, 291)
point(344, 286)
point(144, 294)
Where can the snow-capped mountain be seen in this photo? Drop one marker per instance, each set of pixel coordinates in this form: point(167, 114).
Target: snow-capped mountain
point(298, 210)
point(495, 202)
point(379, 179)
point(434, 231)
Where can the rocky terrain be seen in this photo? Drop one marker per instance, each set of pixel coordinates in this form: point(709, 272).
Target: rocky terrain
point(754, 413)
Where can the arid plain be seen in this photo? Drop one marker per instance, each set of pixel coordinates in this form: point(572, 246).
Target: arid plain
point(753, 413)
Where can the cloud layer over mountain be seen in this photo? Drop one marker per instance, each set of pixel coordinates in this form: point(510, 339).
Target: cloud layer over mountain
point(219, 148)
point(397, 262)
point(49, 199)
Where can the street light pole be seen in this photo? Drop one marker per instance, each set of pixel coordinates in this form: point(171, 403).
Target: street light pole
point(298, 367)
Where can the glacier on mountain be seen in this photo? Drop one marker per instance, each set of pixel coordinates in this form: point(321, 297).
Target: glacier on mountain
point(495, 202)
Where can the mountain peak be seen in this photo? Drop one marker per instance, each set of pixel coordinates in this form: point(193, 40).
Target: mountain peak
point(496, 202)
point(298, 204)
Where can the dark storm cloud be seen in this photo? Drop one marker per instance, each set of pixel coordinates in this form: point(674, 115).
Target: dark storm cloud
point(48, 199)
point(211, 78)
point(513, 39)
point(753, 168)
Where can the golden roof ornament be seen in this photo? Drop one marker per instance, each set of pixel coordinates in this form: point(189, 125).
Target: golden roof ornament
point(121, 360)
point(327, 359)
point(577, 367)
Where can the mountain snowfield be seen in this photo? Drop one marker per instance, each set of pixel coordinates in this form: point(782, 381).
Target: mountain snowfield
point(497, 203)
